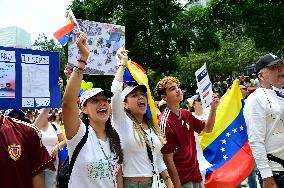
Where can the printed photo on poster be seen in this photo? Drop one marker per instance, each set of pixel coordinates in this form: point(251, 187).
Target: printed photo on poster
point(104, 40)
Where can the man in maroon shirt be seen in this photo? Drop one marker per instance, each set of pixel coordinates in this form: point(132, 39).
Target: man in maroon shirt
point(22, 155)
point(179, 126)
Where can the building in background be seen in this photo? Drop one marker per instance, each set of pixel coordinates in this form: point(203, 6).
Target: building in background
point(15, 37)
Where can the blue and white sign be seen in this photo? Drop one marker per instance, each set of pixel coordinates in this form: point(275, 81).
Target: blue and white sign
point(29, 78)
point(204, 86)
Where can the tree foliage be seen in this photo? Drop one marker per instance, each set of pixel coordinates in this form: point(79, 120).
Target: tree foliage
point(261, 20)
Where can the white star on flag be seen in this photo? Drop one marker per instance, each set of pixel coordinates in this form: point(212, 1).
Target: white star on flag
point(222, 149)
point(234, 130)
point(241, 128)
point(225, 157)
point(223, 141)
point(228, 135)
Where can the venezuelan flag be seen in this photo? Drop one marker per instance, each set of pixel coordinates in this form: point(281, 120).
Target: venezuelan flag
point(134, 74)
point(63, 34)
point(227, 147)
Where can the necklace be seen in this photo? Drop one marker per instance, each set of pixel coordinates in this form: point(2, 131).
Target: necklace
point(102, 148)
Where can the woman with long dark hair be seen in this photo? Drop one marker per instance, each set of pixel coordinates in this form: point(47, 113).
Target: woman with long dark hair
point(141, 140)
point(99, 161)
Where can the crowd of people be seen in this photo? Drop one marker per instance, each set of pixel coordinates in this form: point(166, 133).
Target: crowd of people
point(113, 143)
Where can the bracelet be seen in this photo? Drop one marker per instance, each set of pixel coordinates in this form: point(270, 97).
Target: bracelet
point(80, 60)
point(122, 65)
point(78, 70)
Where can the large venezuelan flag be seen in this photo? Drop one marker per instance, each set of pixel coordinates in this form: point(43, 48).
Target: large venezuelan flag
point(63, 34)
point(134, 74)
point(227, 147)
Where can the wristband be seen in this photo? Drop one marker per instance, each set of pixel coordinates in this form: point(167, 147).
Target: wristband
point(122, 65)
point(80, 60)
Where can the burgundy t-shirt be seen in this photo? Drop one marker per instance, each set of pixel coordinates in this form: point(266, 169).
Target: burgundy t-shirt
point(179, 132)
point(22, 155)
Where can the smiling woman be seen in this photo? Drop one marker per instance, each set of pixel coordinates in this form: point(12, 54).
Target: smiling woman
point(98, 163)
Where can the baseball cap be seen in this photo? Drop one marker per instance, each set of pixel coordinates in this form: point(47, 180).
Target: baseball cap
point(192, 99)
point(129, 89)
point(93, 92)
point(266, 61)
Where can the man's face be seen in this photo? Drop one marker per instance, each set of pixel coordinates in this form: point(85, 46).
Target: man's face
point(173, 93)
point(273, 75)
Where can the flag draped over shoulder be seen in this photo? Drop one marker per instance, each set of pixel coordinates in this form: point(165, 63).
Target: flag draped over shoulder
point(227, 147)
point(63, 34)
point(134, 74)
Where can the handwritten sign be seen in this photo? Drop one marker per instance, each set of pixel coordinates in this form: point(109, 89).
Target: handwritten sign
point(104, 40)
point(28, 78)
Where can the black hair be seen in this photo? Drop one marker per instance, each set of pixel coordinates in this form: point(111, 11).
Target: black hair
point(114, 140)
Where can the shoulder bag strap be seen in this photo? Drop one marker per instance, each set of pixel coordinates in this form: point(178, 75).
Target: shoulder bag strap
point(150, 154)
point(78, 149)
point(275, 159)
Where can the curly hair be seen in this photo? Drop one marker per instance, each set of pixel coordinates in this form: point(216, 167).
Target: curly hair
point(162, 84)
point(114, 140)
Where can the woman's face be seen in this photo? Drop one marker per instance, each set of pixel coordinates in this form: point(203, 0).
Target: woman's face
point(136, 102)
point(197, 105)
point(97, 108)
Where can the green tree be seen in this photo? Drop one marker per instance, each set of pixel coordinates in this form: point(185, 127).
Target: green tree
point(261, 20)
point(235, 54)
point(150, 28)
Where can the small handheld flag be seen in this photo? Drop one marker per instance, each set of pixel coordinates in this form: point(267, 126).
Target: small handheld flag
point(63, 34)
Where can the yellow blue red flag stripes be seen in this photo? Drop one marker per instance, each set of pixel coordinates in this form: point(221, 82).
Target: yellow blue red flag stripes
point(63, 34)
point(134, 74)
point(227, 147)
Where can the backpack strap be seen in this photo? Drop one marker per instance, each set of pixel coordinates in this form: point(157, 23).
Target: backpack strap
point(275, 159)
point(78, 149)
point(55, 128)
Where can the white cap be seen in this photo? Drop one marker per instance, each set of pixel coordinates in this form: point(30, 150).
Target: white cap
point(129, 89)
point(93, 92)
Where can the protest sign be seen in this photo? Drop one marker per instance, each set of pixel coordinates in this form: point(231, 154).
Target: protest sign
point(28, 78)
point(103, 40)
point(204, 86)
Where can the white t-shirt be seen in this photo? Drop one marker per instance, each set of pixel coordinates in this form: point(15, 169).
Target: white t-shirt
point(91, 168)
point(50, 136)
point(264, 116)
point(136, 162)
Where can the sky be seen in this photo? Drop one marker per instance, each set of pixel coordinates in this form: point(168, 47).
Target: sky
point(34, 16)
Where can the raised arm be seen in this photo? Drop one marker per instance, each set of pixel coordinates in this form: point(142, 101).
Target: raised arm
point(118, 114)
point(42, 118)
point(122, 55)
point(212, 114)
point(70, 110)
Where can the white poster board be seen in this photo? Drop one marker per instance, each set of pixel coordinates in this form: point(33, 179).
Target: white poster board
point(204, 86)
point(104, 40)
